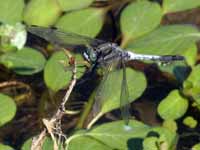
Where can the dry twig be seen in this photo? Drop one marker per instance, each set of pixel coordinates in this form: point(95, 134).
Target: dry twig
point(53, 125)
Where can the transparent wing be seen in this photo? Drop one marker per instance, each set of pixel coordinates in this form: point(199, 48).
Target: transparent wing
point(105, 88)
point(63, 39)
point(124, 97)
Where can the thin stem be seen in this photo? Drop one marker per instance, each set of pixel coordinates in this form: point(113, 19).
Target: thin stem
point(94, 120)
point(55, 122)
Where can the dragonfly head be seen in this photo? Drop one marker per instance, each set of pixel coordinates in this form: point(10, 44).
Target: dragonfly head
point(90, 55)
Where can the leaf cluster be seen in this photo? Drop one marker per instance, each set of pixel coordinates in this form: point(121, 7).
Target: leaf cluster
point(142, 31)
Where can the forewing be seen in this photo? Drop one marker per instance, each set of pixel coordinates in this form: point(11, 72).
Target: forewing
point(63, 39)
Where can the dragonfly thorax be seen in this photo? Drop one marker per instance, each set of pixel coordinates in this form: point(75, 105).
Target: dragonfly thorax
point(103, 54)
point(108, 53)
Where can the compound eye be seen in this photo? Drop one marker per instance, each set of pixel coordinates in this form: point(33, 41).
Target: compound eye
point(93, 56)
point(90, 55)
point(86, 56)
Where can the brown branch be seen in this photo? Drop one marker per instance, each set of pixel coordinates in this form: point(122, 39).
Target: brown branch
point(37, 141)
point(54, 124)
point(16, 84)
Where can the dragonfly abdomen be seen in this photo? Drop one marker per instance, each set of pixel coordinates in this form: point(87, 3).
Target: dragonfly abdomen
point(171, 58)
point(164, 58)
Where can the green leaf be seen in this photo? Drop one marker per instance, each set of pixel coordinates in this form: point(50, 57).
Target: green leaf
point(116, 136)
point(169, 40)
point(27, 61)
point(58, 72)
point(55, 75)
point(166, 40)
point(192, 84)
point(86, 143)
point(179, 5)
point(139, 18)
point(190, 122)
point(47, 145)
point(112, 89)
point(196, 147)
point(110, 136)
point(5, 147)
point(173, 106)
point(171, 125)
point(77, 22)
point(136, 85)
point(42, 12)
point(150, 143)
point(7, 109)
point(191, 55)
point(75, 4)
point(166, 138)
point(11, 11)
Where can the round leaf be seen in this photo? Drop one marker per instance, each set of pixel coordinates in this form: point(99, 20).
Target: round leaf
point(55, 75)
point(5, 147)
point(166, 139)
point(77, 22)
point(190, 121)
point(75, 4)
point(86, 143)
point(27, 61)
point(7, 109)
point(171, 125)
point(11, 11)
point(42, 12)
point(194, 78)
point(191, 55)
point(150, 143)
point(192, 84)
point(173, 106)
point(47, 145)
point(169, 40)
point(58, 72)
point(196, 147)
point(139, 18)
point(166, 40)
point(179, 5)
point(110, 136)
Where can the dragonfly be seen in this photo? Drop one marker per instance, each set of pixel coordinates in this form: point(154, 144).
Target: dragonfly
point(106, 55)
